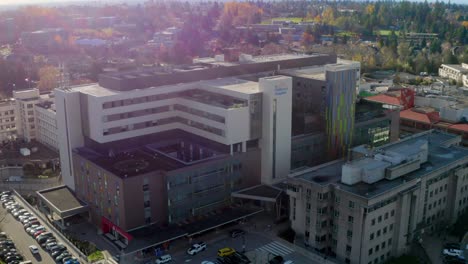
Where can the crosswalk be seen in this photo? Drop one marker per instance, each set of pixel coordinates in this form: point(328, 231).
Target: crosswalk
point(276, 248)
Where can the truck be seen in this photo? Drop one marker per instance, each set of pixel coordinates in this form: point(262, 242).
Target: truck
point(196, 248)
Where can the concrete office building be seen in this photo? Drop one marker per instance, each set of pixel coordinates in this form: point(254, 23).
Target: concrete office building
point(324, 102)
point(167, 145)
point(29, 116)
point(25, 101)
point(455, 72)
point(227, 111)
point(7, 120)
point(46, 124)
point(370, 208)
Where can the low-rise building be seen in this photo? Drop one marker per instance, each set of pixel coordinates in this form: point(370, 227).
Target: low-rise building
point(454, 72)
point(7, 120)
point(370, 208)
point(46, 124)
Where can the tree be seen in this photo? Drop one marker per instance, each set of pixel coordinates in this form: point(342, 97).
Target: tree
point(328, 16)
point(49, 77)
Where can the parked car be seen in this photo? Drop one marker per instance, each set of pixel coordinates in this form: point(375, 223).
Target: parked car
point(48, 241)
point(34, 230)
point(34, 249)
point(452, 252)
point(31, 228)
point(62, 256)
point(24, 216)
point(56, 253)
point(196, 248)
point(25, 220)
point(164, 259)
point(38, 233)
point(49, 245)
point(31, 223)
point(237, 232)
point(227, 251)
point(64, 260)
point(20, 212)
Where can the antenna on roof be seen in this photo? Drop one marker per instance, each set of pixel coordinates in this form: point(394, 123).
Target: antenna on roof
point(64, 78)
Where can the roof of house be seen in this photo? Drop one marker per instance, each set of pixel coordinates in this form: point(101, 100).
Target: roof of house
point(384, 98)
point(461, 127)
point(412, 115)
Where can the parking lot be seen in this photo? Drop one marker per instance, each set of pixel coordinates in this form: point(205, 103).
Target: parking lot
point(16, 232)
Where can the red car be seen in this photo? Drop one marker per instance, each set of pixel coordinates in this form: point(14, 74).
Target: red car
point(38, 233)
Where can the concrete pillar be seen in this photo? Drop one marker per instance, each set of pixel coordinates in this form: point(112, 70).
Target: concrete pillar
point(244, 146)
point(231, 151)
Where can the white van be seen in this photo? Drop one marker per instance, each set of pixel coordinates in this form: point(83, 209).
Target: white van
point(163, 259)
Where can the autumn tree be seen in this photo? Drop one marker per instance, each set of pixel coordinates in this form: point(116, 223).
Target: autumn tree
point(49, 77)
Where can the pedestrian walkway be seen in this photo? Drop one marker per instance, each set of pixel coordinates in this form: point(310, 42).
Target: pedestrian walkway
point(276, 248)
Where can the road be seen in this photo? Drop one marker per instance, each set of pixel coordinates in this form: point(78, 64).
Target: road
point(22, 240)
point(258, 247)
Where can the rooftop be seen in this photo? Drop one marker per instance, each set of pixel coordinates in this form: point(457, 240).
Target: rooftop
point(456, 67)
point(240, 86)
point(63, 201)
point(208, 69)
point(439, 157)
point(384, 99)
point(262, 191)
point(163, 155)
point(11, 151)
point(62, 197)
point(410, 114)
point(129, 163)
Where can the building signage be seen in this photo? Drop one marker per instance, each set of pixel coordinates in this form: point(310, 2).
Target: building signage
point(280, 91)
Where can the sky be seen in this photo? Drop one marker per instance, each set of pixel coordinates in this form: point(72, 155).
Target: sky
point(16, 2)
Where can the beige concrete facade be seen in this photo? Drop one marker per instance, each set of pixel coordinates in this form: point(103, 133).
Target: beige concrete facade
point(368, 223)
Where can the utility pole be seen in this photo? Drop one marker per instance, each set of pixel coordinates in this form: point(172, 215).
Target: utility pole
point(243, 243)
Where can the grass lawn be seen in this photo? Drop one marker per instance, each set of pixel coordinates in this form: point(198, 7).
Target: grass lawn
point(385, 32)
point(95, 256)
point(292, 19)
point(346, 33)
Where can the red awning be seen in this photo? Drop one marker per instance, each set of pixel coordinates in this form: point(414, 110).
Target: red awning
point(107, 226)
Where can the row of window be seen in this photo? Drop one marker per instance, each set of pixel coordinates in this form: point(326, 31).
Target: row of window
point(385, 217)
point(382, 258)
point(439, 202)
point(10, 112)
point(432, 218)
point(379, 247)
point(163, 121)
point(437, 190)
point(7, 120)
point(380, 232)
point(381, 204)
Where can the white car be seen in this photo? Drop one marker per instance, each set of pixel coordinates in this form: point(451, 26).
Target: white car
point(452, 252)
point(34, 249)
point(164, 259)
point(24, 216)
point(196, 248)
point(28, 230)
point(39, 228)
